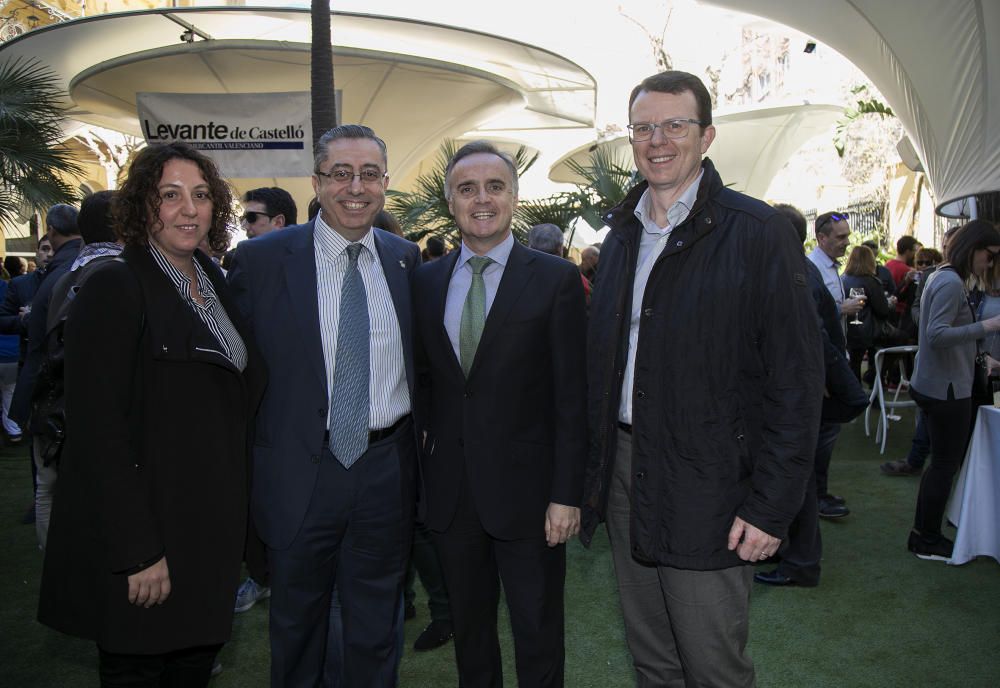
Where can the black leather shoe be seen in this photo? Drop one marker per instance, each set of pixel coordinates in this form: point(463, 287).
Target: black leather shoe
point(829, 509)
point(435, 635)
point(778, 579)
point(833, 499)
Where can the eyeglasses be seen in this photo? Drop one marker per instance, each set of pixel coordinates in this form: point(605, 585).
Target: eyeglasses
point(924, 263)
point(993, 254)
point(671, 129)
point(251, 216)
point(368, 176)
point(833, 217)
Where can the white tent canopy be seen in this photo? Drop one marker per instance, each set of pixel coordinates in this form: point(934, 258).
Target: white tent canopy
point(936, 63)
point(750, 148)
point(414, 83)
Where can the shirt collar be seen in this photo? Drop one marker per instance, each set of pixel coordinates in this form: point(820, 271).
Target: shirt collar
point(330, 243)
point(676, 213)
point(181, 281)
point(827, 260)
point(499, 253)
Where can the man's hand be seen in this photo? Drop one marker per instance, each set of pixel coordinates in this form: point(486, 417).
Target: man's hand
point(561, 523)
point(750, 542)
point(150, 586)
point(852, 306)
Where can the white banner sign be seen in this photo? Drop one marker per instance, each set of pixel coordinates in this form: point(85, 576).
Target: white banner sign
point(247, 134)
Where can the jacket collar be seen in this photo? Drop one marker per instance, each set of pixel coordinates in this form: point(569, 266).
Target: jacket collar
point(622, 221)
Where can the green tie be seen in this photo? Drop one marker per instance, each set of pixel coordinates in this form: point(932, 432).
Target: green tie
point(473, 314)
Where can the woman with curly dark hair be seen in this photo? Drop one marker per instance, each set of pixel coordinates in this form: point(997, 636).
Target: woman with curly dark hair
point(161, 381)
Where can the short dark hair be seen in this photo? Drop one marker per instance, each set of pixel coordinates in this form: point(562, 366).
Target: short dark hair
point(42, 239)
point(824, 223)
point(677, 82)
point(61, 219)
point(95, 221)
point(136, 206)
point(345, 131)
point(435, 246)
point(906, 243)
point(971, 237)
point(872, 244)
point(472, 148)
point(14, 265)
point(546, 238)
point(793, 215)
point(276, 200)
point(385, 220)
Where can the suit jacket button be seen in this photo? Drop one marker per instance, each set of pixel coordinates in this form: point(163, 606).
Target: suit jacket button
point(640, 394)
point(314, 458)
point(648, 312)
point(640, 475)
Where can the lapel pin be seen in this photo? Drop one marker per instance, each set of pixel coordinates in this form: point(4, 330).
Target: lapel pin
point(402, 264)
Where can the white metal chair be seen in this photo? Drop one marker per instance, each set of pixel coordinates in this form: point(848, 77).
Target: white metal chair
point(885, 407)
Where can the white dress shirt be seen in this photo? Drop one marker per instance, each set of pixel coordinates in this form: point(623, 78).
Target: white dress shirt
point(830, 269)
point(461, 280)
point(388, 395)
point(651, 242)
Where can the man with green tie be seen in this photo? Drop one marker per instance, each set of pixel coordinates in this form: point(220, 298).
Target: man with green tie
point(500, 399)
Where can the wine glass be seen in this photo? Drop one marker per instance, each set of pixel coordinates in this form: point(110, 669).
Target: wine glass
point(857, 293)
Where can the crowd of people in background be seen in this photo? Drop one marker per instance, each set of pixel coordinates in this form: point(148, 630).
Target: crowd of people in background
point(340, 411)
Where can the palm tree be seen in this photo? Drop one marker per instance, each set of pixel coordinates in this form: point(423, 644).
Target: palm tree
point(424, 211)
point(33, 157)
point(607, 179)
point(324, 95)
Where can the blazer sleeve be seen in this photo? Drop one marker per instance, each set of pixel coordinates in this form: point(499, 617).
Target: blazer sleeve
point(567, 334)
point(104, 415)
point(941, 305)
point(789, 349)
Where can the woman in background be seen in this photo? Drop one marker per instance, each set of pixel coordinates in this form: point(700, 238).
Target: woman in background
point(859, 273)
point(942, 378)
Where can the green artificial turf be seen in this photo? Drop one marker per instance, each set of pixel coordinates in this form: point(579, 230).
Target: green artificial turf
point(880, 618)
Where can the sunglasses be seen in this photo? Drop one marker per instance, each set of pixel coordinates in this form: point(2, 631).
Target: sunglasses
point(833, 217)
point(251, 216)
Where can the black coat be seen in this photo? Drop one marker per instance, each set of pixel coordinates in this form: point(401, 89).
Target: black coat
point(155, 462)
point(62, 261)
point(845, 398)
point(728, 378)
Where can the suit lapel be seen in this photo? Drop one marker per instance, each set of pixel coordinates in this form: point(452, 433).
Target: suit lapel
point(397, 276)
point(516, 276)
point(442, 280)
point(300, 276)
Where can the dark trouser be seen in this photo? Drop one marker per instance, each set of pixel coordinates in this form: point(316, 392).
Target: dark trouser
point(255, 556)
point(424, 561)
point(948, 425)
point(920, 446)
point(824, 452)
point(187, 668)
point(685, 629)
point(533, 575)
point(802, 550)
point(356, 534)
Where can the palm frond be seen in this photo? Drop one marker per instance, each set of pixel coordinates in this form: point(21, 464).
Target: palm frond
point(32, 155)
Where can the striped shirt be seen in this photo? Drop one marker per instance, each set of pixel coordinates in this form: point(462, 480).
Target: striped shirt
point(211, 313)
point(389, 397)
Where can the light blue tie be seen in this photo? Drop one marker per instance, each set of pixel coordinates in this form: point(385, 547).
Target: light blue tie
point(349, 399)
